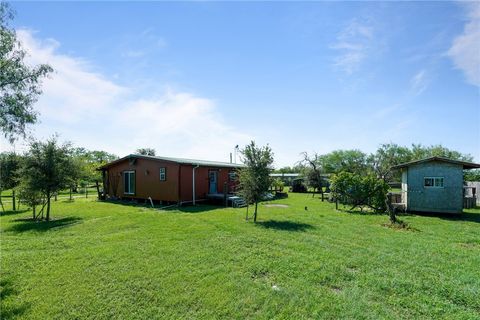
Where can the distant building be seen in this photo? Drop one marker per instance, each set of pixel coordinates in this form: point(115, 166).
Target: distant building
point(434, 184)
point(168, 179)
point(472, 190)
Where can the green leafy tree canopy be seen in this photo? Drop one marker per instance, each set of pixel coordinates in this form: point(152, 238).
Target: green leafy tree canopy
point(19, 82)
point(49, 168)
point(254, 179)
point(146, 151)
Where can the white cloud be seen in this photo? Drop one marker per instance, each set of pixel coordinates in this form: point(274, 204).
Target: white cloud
point(73, 91)
point(465, 50)
point(419, 82)
point(354, 43)
point(94, 112)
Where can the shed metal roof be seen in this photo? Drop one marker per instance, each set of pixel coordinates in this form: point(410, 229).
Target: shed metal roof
point(286, 175)
point(177, 160)
point(464, 164)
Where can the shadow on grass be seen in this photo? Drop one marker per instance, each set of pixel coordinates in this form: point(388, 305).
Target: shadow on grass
point(10, 308)
point(11, 212)
point(199, 208)
point(362, 213)
point(28, 224)
point(284, 225)
point(369, 212)
point(465, 216)
point(195, 209)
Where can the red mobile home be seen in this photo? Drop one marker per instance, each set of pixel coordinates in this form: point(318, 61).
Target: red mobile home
point(167, 179)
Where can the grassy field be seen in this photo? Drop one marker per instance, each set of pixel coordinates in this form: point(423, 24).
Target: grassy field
point(105, 260)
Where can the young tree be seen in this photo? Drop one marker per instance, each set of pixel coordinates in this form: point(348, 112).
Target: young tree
point(19, 83)
point(9, 165)
point(28, 195)
point(254, 179)
point(146, 151)
point(49, 168)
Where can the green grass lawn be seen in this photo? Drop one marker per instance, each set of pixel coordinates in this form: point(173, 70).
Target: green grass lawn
point(105, 260)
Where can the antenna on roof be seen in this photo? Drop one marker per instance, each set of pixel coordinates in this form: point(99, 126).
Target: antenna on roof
point(235, 152)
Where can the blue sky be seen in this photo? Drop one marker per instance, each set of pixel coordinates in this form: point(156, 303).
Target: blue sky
point(195, 79)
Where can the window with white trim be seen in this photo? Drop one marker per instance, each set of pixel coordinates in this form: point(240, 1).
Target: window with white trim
point(433, 182)
point(129, 182)
point(163, 174)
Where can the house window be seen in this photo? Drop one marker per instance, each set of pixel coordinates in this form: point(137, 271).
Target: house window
point(163, 174)
point(232, 176)
point(433, 182)
point(129, 182)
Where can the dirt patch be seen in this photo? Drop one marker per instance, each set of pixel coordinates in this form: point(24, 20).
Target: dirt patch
point(276, 205)
point(400, 225)
point(336, 289)
point(469, 244)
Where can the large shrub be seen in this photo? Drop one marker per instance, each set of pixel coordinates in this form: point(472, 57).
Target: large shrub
point(359, 191)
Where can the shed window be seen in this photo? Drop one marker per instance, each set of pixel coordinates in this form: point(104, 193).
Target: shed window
point(163, 174)
point(433, 182)
point(129, 182)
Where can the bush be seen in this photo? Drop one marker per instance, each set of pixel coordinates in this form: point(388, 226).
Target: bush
point(298, 186)
point(359, 191)
point(278, 185)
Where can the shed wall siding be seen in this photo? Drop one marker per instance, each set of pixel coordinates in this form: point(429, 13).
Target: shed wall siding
point(201, 181)
point(147, 180)
point(178, 184)
point(404, 185)
point(447, 199)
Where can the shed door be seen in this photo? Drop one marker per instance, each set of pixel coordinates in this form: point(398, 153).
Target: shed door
point(213, 175)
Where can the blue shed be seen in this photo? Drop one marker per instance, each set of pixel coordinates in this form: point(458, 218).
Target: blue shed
point(434, 184)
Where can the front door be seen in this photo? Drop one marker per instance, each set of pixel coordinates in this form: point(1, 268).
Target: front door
point(212, 189)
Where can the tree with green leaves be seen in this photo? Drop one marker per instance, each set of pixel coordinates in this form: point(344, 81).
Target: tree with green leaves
point(312, 171)
point(28, 194)
point(19, 82)
point(359, 191)
point(86, 163)
point(354, 161)
point(472, 175)
point(391, 154)
point(295, 169)
point(387, 156)
point(277, 185)
point(48, 169)
point(254, 178)
point(146, 151)
point(9, 177)
point(421, 152)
